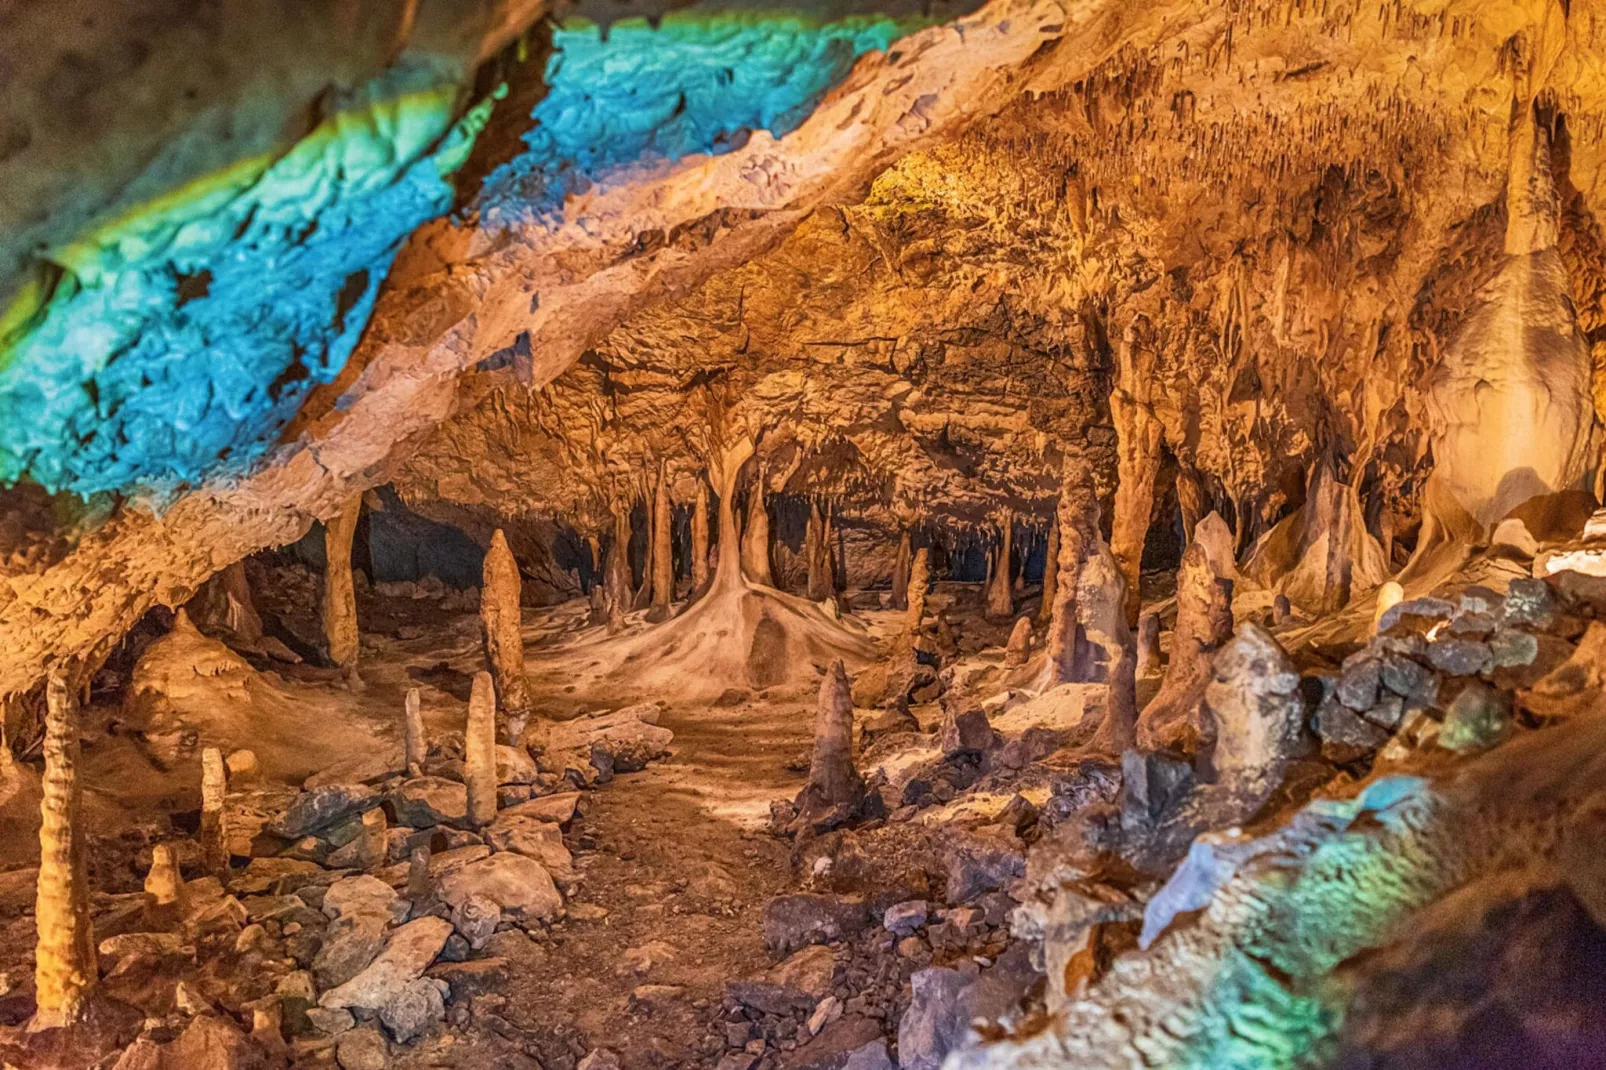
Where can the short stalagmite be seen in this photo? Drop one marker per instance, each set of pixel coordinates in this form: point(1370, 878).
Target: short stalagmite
point(339, 593)
point(479, 751)
point(834, 780)
point(699, 539)
point(371, 842)
point(755, 540)
point(65, 966)
point(1148, 637)
point(1019, 647)
point(164, 883)
point(415, 743)
point(503, 622)
point(1389, 595)
point(1204, 623)
point(1000, 594)
point(663, 560)
point(214, 834)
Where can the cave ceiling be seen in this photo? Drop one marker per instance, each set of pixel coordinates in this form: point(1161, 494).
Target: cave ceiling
point(908, 250)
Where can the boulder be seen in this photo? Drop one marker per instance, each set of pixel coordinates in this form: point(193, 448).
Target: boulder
point(322, 807)
point(794, 985)
point(519, 886)
point(407, 955)
point(414, 1009)
point(795, 921)
point(532, 837)
point(934, 1024)
point(430, 800)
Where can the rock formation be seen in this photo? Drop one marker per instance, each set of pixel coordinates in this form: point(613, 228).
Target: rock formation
point(1000, 596)
point(699, 540)
point(1137, 455)
point(834, 782)
point(66, 970)
point(415, 743)
point(479, 751)
point(214, 834)
point(1204, 623)
point(502, 618)
point(339, 596)
point(900, 570)
point(755, 547)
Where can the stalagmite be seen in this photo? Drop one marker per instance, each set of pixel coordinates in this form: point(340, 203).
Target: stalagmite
point(663, 561)
point(1389, 595)
point(616, 579)
point(339, 594)
point(818, 544)
point(755, 542)
point(1204, 624)
point(1051, 573)
point(503, 622)
point(1138, 435)
point(164, 883)
point(1106, 652)
point(372, 840)
point(900, 571)
point(1000, 595)
point(834, 780)
point(479, 752)
point(1019, 647)
point(1148, 644)
point(414, 741)
point(65, 966)
point(418, 881)
point(699, 540)
point(1078, 538)
point(214, 834)
point(917, 598)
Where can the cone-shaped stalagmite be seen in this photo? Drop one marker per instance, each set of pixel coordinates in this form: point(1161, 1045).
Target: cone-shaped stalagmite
point(479, 751)
point(1019, 647)
point(65, 966)
point(415, 742)
point(663, 560)
point(214, 788)
point(900, 571)
point(917, 597)
point(503, 621)
point(1138, 434)
point(699, 540)
point(339, 594)
point(833, 778)
point(1204, 623)
point(755, 549)
point(1000, 595)
point(164, 883)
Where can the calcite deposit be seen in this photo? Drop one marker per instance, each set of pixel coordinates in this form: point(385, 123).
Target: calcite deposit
point(844, 537)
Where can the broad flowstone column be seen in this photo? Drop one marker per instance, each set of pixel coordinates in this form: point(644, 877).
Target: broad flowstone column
point(415, 742)
point(339, 595)
point(65, 965)
point(503, 620)
point(755, 548)
point(479, 751)
point(699, 540)
point(1000, 596)
point(214, 836)
point(663, 559)
point(1138, 435)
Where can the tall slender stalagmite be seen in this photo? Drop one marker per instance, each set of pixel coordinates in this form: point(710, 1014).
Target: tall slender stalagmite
point(1051, 573)
point(214, 835)
point(1000, 592)
point(415, 742)
point(663, 560)
point(65, 966)
point(1078, 537)
point(699, 540)
point(755, 548)
point(503, 621)
point(1138, 433)
point(339, 595)
point(917, 597)
point(833, 778)
point(616, 578)
point(900, 571)
point(479, 751)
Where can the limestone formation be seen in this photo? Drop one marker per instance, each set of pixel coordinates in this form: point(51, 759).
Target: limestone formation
point(755, 545)
point(339, 595)
point(817, 544)
point(479, 751)
point(834, 781)
point(415, 744)
point(1255, 714)
point(618, 591)
point(1139, 432)
point(1000, 597)
point(214, 834)
point(1204, 623)
point(1105, 650)
point(1389, 595)
point(1019, 647)
point(65, 966)
point(1078, 540)
point(1051, 573)
point(900, 570)
point(502, 618)
point(164, 883)
point(699, 539)
point(663, 562)
point(916, 613)
point(1148, 640)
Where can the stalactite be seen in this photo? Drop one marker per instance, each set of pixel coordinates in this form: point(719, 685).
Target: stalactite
point(699, 540)
point(503, 622)
point(214, 834)
point(65, 965)
point(1138, 436)
point(339, 594)
point(479, 751)
point(755, 545)
point(663, 561)
point(900, 571)
point(1000, 595)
